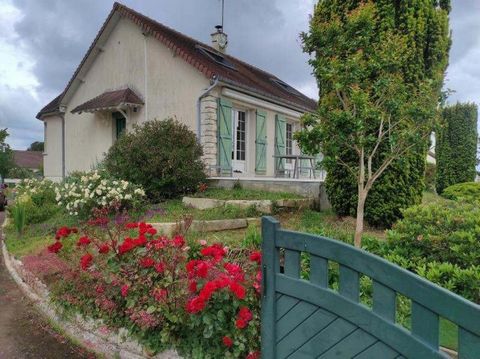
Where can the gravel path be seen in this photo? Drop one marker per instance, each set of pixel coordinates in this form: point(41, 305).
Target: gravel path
point(23, 332)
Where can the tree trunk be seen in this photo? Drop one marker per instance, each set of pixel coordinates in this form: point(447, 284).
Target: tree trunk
point(362, 196)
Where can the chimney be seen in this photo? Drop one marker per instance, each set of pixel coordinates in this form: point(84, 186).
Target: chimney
point(219, 39)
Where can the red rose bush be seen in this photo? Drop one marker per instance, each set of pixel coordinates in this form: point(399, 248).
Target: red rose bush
point(203, 300)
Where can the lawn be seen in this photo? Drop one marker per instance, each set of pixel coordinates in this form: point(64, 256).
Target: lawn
point(245, 194)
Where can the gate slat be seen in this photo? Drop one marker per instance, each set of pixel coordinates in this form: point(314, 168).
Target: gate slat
point(293, 318)
point(302, 333)
point(377, 351)
point(384, 301)
point(292, 263)
point(323, 340)
point(284, 304)
point(319, 271)
point(425, 324)
point(350, 346)
point(468, 345)
point(349, 283)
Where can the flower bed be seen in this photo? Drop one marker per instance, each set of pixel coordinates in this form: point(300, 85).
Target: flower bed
point(201, 300)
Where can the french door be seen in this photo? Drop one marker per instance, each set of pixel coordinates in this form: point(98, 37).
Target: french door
point(239, 148)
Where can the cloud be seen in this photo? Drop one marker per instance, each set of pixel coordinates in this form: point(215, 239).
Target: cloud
point(42, 42)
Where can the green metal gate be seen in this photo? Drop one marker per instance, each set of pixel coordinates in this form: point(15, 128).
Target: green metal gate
point(306, 319)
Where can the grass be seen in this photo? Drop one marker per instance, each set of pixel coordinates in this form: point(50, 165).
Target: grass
point(245, 194)
point(174, 210)
point(448, 334)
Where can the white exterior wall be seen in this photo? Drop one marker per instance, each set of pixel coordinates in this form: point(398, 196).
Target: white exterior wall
point(173, 88)
point(52, 154)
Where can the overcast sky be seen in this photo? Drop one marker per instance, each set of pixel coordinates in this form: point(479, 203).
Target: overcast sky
point(43, 41)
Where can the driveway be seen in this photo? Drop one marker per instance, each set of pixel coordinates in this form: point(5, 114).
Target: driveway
point(23, 331)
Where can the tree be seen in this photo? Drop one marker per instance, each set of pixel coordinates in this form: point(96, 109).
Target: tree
point(6, 155)
point(456, 145)
point(36, 146)
point(375, 108)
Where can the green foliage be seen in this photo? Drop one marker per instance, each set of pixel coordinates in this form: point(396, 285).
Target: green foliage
point(36, 146)
point(430, 174)
point(38, 198)
point(468, 191)
point(456, 147)
point(253, 237)
point(19, 218)
point(6, 155)
point(375, 61)
point(20, 173)
point(245, 194)
point(163, 157)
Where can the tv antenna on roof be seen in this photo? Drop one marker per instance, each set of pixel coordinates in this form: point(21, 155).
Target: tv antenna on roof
point(223, 11)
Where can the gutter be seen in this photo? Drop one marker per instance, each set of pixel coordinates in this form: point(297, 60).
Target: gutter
point(199, 100)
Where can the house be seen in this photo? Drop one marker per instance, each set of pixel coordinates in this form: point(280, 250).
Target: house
point(138, 70)
point(30, 160)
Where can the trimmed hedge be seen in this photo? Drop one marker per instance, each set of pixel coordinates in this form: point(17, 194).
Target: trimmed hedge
point(456, 147)
point(468, 191)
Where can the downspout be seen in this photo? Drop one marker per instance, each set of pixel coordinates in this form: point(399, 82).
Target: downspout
point(199, 101)
point(145, 34)
point(63, 146)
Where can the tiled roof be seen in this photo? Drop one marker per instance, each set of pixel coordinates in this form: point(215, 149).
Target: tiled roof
point(28, 159)
point(239, 75)
point(110, 99)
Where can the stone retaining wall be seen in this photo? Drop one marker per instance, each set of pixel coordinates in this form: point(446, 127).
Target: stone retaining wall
point(92, 334)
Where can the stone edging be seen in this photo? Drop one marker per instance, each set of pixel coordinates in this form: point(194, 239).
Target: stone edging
point(216, 225)
point(92, 334)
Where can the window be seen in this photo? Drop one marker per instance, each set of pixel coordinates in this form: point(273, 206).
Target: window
point(119, 123)
point(240, 142)
point(289, 141)
point(218, 58)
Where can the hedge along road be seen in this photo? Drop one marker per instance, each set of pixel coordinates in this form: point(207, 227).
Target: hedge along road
point(23, 331)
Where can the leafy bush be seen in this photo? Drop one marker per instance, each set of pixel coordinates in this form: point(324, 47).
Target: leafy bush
point(18, 215)
point(203, 300)
point(83, 192)
point(162, 156)
point(468, 191)
point(430, 173)
point(456, 147)
point(445, 233)
point(38, 198)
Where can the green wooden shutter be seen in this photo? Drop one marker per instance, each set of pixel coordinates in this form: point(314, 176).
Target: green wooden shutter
point(224, 140)
point(261, 143)
point(280, 131)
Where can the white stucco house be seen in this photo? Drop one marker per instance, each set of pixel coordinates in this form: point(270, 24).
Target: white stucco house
point(138, 70)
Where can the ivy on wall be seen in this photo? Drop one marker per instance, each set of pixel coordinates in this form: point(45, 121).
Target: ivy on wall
point(456, 147)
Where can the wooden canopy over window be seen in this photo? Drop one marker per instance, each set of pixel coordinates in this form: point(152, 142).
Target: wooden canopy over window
point(110, 101)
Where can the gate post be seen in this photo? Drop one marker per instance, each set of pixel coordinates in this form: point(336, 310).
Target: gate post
point(269, 269)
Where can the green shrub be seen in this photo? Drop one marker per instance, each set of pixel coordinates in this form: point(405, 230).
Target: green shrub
point(18, 215)
point(468, 191)
point(442, 233)
point(163, 157)
point(38, 197)
point(430, 172)
point(456, 147)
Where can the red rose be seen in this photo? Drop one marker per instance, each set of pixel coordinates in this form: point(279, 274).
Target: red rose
point(235, 271)
point(195, 305)
point(237, 289)
point(126, 246)
point(227, 341)
point(208, 289)
point(160, 294)
point(197, 268)
point(256, 257)
point(86, 261)
point(253, 355)
point(240, 323)
point(55, 247)
point(192, 287)
point(152, 231)
point(100, 289)
point(178, 241)
point(160, 267)
point(104, 248)
point(83, 241)
point(63, 232)
point(216, 251)
point(147, 262)
point(131, 225)
point(124, 290)
point(245, 314)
